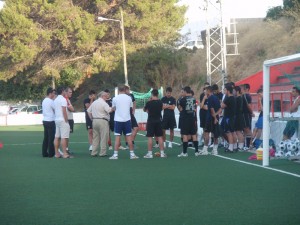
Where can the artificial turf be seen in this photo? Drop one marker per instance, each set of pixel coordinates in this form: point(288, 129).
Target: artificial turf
point(88, 190)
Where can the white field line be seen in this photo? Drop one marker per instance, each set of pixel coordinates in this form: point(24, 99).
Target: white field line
point(251, 164)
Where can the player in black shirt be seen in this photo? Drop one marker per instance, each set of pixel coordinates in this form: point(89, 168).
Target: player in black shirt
point(169, 121)
point(180, 118)
point(248, 114)
point(239, 118)
point(111, 118)
point(154, 126)
point(89, 124)
point(227, 124)
point(187, 107)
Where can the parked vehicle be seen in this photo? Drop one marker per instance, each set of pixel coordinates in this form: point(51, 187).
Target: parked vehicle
point(29, 109)
point(192, 44)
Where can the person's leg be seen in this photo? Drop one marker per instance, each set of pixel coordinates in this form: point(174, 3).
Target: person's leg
point(96, 137)
point(46, 139)
point(104, 130)
point(56, 146)
point(90, 136)
point(51, 135)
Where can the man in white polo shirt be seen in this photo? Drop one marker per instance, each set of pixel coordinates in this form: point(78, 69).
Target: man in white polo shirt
point(121, 104)
point(48, 124)
point(61, 123)
point(99, 113)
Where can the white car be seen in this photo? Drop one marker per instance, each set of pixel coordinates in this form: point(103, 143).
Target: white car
point(192, 44)
point(29, 109)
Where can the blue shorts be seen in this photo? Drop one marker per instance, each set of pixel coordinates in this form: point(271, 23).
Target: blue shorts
point(122, 128)
point(259, 123)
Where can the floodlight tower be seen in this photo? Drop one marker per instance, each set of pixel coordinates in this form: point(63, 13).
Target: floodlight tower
point(216, 45)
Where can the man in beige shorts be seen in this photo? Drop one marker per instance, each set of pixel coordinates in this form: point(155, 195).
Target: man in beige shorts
point(99, 113)
point(61, 124)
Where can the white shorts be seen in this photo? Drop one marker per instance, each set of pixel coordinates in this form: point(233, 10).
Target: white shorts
point(62, 129)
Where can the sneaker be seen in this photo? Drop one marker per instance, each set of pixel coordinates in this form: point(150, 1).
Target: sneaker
point(147, 156)
point(110, 148)
point(156, 146)
point(133, 156)
point(60, 152)
point(214, 152)
point(197, 154)
point(246, 148)
point(91, 148)
point(203, 152)
point(122, 148)
point(114, 157)
point(163, 155)
point(240, 149)
point(182, 155)
point(170, 145)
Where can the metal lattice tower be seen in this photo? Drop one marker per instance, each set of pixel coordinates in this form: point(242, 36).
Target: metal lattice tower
point(216, 45)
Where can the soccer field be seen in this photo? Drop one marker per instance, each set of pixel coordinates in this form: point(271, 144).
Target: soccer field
point(208, 190)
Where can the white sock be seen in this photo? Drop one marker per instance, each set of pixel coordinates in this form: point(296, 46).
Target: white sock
point(131, 152)
point(230, 147)
point(115, 152)
point(241, 145)
point(235, 146)
point(149, 152)
point(162, 151)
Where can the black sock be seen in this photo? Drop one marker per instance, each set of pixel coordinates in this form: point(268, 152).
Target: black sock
point(185, 146)
point(196, 146)
point(133, 142)
point(126, 143)
point(156, 142)
point(248, 140)
point(182, 140)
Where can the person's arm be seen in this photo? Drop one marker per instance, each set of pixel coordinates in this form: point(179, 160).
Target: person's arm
point(202, 103)
point(70, 107)
point(64, 110)
point(295, 106)
point(249, 106)
point(89, 112)
point(214, 115)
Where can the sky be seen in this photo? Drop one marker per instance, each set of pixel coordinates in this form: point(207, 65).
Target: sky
point(231, 9)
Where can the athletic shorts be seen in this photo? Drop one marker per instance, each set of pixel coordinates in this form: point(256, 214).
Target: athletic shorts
point(122, 128)
point(239, 122)
point(154, 129)
point(71, 123)
point(215, 129)
point(259, 123)
point(111, 125)
point(188, 126)
point(88, 123)
point(169, 123)
point(133, 121)
point(179, 122)
point(247, 120)
point(291, 128)
point(62, 129)
point(227, 125)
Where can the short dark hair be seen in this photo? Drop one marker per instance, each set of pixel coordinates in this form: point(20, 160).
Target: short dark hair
point(247, 86)
point(154, 92)
point(187, 89)
point(296, 89)
point(92, 92)
point(206, 83)
point(50, 90)
point(60, 90)
point(168, 89)
point(192, 92)
point(209, 88)
point(107, 91)
point(215, 87)
point(237, 89)
point(259, 90)
point(229, 88)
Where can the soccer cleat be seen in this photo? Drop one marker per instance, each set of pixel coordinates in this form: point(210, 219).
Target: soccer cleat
point(246, 149)
point(110, 148)
point(182, 155)
point(170, 145)
point(91, 148)
point(197, 154)
point(163, 155)
point(214, 152)
point(133, 156)
point(203, 152)
point(156, 146)
point(148, 156)
point(114, 157)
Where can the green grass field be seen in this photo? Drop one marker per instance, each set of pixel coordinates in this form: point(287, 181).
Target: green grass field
point(86, 190)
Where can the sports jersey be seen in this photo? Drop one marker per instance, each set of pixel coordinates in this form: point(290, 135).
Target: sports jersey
point(188, 105)
point(169, 101)
point(230, 103)
point(212, 102)
point(246, 100)
point(154, 108)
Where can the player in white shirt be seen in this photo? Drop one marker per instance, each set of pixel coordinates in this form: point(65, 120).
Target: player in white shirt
point(61, 122)
point(48, 124)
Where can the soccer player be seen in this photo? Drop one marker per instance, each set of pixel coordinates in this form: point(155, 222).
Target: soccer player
point(239, 118)
point(154, 126)
point(203, 107)
point(211, 122)
point(187, 107)
point(62, 127)
point(178, 107)
point(168, 121)
point(227, 123)
point(292, 125)
point(48, 124)
point(248, 114)
point(89, 125)
point(134, 124)
point(121, 104)
point(70, 110)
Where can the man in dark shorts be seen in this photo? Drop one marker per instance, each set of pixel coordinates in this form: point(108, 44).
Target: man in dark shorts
point(227, 123)
point(111, 119)
point(89, 124)
point(248, 114)
point(239, 118)
point(169, 121)
point(211, 122)
point(154, 126)
point(180, 117)
point(203, 107)
point(187, 107)
point(134, 124)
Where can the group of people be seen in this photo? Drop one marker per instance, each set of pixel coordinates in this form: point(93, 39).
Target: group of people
point(225, 115)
